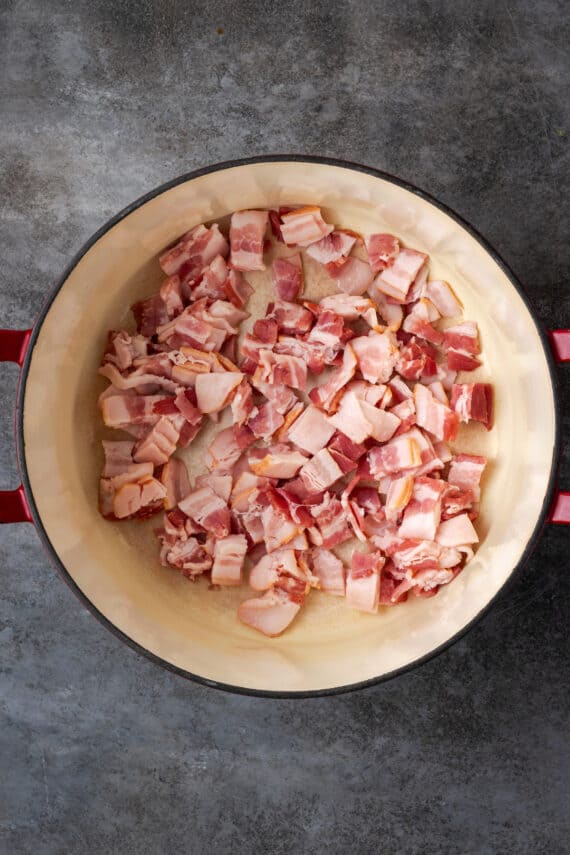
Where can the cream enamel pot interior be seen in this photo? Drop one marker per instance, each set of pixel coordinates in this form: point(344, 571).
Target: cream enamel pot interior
point(114, 567)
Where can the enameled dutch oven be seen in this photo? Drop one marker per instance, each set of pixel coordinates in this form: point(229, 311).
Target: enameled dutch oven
point(114, 568)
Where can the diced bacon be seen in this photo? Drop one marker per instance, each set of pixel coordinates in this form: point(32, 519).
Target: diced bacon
point(382, 250)
point(455, 501)
point(329, 330)
point(223, 451)
point(320, 472)
point(118, 457)
point(279, 369)
point(442, 296)
point(159, 444)
point(456, 531)
point(171, 293)
point(419, 322)
point(363, 581)
point(242, 402)
point(311, 431)
point(354, 277)
point(465, 472)
point(473, 401)
point(279, 462)
point(329, 570)
point(282, 398)
point(324, 396)
point(333, 248)
point(423, 512)
point(415, 555)
point(137, 380)
point(417, 291)
point(376, 354)
point(206, 508)
point(395, 281)
point(278, 531)
point(174, 477)
point(194, 251)
point(406, 412)
point(434, 416)
point(389, 594)
point(150, 314)
point(350, 307)
point(140, 498)
point(221, 484)
point(237, 289)
point(290, 317)
point(195, 331)
point(416, 361)
point(213, 390)
point(392, 313)
point(368, 499)
point(359, 420)
point(442, 451)
point(461, 360)
point(266, 331)
point(212, 281)
point(331, 523)
point(270, 614)
point(399, 494)
point(438, 392)
point(344, 463)
point(266, 572)
point(266, 421)
point(345, 446)
point(190, 557)
point(463, 336)
point(121, 410)
point(229, 555)
point(287, 276)
point(397, 455)
point(122, 349)
point(247, 230)
point(304, 226)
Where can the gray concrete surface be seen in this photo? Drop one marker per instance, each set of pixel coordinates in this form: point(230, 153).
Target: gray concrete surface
point(103, 752)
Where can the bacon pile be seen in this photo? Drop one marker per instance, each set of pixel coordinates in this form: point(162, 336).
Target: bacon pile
point(341, 414)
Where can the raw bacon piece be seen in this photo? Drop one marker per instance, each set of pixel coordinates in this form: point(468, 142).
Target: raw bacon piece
point(290, 317)
point(221, 484)
point(423, 513)
point(455, 501)
point(311, 431)
point(212, 281)
point(350, 307)
point(324, 396)
point(150, 314)
point(320, 472)
point(442, 296)
point(266, 572)
point(304, 226)
point(406, 412)
point(399, 494)
point(363, 581)
point(376, 354)
point(333, 248)
point(279, 462)
point(121, 410)
point(391, 313)
point(194, 250)
point(247, 230)
point(213, 390)
point(118, 457)
point(287, 275)
point(473, 401)
point(463, 336)
point(279, 369)
point(331, 522)
point(415, 555)
point(174, 477)
point(189, 556)
point(382, 250)
point(123, 349)
point(229, 555)
point(278, 531)
point(270, 614)
point(237, 289)
point(461, 360)
point(345, 446)
point(419, 322)
point(206, 508)
point(266, 421)
point(329, 570)
point(433, 415)
point(395, 281)
point(397, 455)
point(354, 277)
point(224, 451)
point(136, 498)
point(457, 531)
point(359, 420)
point(242, 403)
point(465, 472)
point(159, 444)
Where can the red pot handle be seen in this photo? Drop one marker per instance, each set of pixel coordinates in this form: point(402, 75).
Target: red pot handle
point(560, 508)
point(13, 504)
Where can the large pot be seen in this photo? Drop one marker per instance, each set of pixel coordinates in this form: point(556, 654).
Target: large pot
point(113, 567)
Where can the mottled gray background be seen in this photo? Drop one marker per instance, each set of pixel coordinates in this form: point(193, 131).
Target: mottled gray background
point(101, 751)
